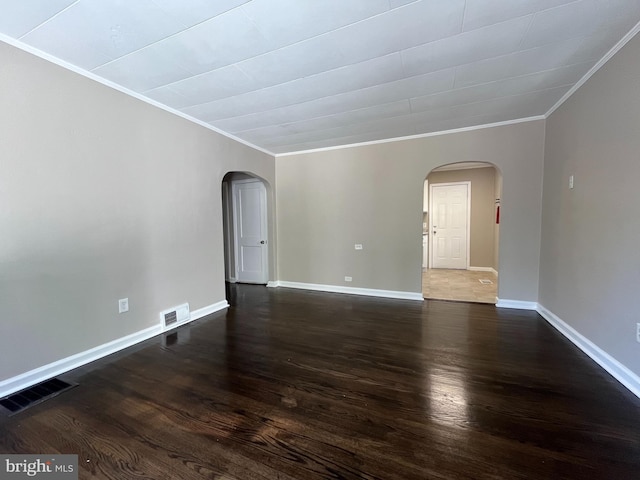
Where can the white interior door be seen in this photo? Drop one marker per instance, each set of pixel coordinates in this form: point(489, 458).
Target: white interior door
point(250, 230)
point(449, 231)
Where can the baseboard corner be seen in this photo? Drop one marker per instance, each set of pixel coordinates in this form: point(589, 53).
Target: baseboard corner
point(515, 304)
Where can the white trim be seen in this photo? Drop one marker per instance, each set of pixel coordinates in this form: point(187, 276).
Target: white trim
point(517, 304)
point(58, 367)
point(412, 137)
point(463, 166)
point(232, 280)
point(195, 315)
point(616, 369)
point(483, 269)
point(68, 66)
point(92, 76)
point(370, 292)
point(273, 284)
point(40, 374)
point(607, 56)
point(208, 310)
point(227, 226)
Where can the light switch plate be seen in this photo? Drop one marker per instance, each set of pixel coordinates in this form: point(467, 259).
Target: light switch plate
point(123, 305)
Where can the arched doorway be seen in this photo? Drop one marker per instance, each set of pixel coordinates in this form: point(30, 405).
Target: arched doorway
point(245, 206)
point(461, 232)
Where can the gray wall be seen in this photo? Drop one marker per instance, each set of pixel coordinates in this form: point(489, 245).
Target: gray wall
point(101, 197)
point(328, 201)
point(482, 217)
point(590, 261)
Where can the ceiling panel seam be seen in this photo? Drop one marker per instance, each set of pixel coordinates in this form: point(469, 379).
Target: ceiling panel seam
point(49, 19)
point(501, 97)
point(180, 32)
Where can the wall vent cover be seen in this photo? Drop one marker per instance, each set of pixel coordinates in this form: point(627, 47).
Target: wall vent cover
point(175, 316)
point(170, 318)
point(19, 401)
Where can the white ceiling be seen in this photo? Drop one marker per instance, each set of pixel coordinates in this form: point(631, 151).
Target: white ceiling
point(291, 75)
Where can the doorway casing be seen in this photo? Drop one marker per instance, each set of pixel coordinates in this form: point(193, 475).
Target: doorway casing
point(246, 191)
point(483, 224)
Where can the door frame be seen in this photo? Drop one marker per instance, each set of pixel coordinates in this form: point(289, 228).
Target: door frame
point(468, 239)
point(227, 226)
point(264, 225)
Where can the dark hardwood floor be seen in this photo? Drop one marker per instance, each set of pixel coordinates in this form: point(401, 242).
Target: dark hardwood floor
point(290, 384)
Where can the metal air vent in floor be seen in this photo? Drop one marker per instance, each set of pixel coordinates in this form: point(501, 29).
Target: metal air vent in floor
point(19, 401)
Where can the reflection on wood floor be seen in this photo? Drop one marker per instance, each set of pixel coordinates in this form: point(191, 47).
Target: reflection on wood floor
point(461, 285)
point(298, 385)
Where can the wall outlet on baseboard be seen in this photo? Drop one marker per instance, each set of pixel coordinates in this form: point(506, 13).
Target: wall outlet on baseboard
point(638, 332)
point(123, 305)
point(348, 279)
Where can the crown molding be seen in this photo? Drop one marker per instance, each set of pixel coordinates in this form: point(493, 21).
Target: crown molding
point(599, 64)
point(92, 76)
point(85, 73)
point(413, 137)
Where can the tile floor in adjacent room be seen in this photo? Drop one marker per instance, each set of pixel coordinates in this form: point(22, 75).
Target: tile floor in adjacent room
point(461, 285)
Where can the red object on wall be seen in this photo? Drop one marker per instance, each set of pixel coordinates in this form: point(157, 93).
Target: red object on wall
point(498, 214)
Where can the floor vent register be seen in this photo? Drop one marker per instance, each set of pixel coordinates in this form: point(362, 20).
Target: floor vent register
point(19, 401)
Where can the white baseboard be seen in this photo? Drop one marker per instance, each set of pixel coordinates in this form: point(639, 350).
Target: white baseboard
point(484, 269)
point(517, 304)
point(616, 369)
point(208, 310)
point(40, 374)
point(45, 372)
point(274, 284)
point(231, 280)
point(370, 292)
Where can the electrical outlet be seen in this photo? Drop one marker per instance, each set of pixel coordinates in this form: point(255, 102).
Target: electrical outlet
point(638, 332)
point(123, 305)
point(358, 246)
point(571, 181)
point(348, 279)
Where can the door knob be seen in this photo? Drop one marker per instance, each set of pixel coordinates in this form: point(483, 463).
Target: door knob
point(262, 242)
